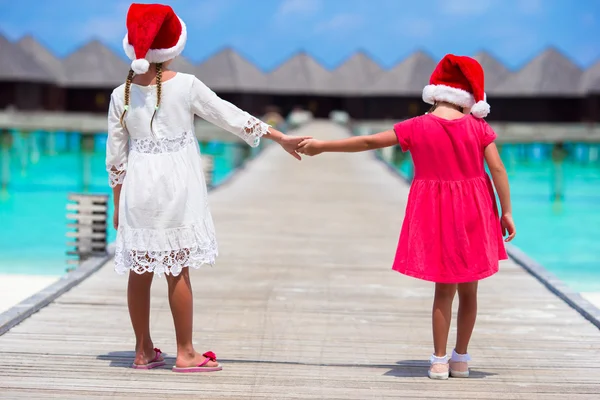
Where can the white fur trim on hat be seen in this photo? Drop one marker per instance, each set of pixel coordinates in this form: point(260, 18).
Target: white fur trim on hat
point(481, 109)
point(459, 97)
point(433, 93)
point(158, 55)
point(140, 66)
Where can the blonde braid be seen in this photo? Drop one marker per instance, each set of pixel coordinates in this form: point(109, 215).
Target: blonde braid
point(127, 88)
point(158, 91)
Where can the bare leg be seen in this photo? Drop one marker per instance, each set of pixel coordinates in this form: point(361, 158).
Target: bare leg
point(441, 316)
point(138, 301)
point(182, 308)
point(467, 314)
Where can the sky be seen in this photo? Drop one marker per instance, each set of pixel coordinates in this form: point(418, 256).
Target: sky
point(267, 32)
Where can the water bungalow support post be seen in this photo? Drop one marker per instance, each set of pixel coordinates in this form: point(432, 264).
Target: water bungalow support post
point(5, 144)
point(24, 150)
point(51, 143)
point(87, 149)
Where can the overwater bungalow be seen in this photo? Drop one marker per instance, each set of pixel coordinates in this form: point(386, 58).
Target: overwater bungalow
point(235, 79)
point(92, 72)
point(548, 89)
point(590, 88)
point(396, 93)
point(23, 81)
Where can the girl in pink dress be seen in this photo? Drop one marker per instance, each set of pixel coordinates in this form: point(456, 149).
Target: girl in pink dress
point(451, 234)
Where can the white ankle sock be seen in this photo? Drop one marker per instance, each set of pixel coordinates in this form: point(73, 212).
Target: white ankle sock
point(460, 357)
point(438, 360)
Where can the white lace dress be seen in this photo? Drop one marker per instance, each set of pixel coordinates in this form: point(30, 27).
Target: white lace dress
point(164, 219)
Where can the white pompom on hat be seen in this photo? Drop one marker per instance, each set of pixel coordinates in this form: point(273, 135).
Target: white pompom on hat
point(155, 34)
point(458, 80)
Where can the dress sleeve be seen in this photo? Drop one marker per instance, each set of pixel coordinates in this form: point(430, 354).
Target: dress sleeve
point(117, 144)
point(403, 132)
point(488, 135)
point(207, 105)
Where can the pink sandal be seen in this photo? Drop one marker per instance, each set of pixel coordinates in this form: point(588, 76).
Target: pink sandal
point(155, 362)
point(209, 356)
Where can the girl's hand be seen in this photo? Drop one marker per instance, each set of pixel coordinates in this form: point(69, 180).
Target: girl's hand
point(291, 143)
point(508, 226)
point(310, 147)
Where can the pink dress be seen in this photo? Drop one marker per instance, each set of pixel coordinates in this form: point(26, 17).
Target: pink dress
point(451, 231)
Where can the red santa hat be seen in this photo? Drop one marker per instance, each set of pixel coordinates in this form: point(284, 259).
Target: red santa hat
point(155, 34)
point(458, 80)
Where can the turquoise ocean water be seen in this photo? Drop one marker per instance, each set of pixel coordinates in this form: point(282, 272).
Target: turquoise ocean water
point(562, 231)
point(37, 182)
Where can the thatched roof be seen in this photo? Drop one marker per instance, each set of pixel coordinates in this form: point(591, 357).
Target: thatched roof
point(182, 64)
point(18, 65)
point(355, 74)
point(95, 65)
point(590, 81)
point(408, 78)
point(229, 71)
point(495, 72)
point(52, 64)
point(301, 74)
point(548, 74)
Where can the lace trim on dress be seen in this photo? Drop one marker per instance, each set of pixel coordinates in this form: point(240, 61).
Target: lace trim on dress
point(166, 250)
point(162, 145)
point(253, 130)
point(170, 262)
point(116, 174)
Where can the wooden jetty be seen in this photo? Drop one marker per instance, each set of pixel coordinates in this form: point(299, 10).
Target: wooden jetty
point(303, 305)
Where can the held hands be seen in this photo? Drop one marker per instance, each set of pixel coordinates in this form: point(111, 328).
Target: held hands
point(290, 144)
point(508, 227)
point(310, 147)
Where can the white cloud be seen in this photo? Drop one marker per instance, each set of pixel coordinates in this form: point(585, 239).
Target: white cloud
point(340, 23)
point(307, 7)
point(465, 7)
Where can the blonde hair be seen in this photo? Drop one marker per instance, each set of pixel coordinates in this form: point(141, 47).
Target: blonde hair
point(158, 94)
point(126, 107)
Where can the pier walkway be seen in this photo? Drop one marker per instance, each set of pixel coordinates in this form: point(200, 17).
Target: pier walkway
point(303, 304)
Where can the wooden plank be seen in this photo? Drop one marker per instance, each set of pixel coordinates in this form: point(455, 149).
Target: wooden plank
point(82, 207)
point(101, 198)
point(87, 217)
point(302, 304)
point(82, 224)
point(86, 235)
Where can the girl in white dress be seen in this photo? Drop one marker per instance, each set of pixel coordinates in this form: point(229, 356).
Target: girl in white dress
point(162, 216)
